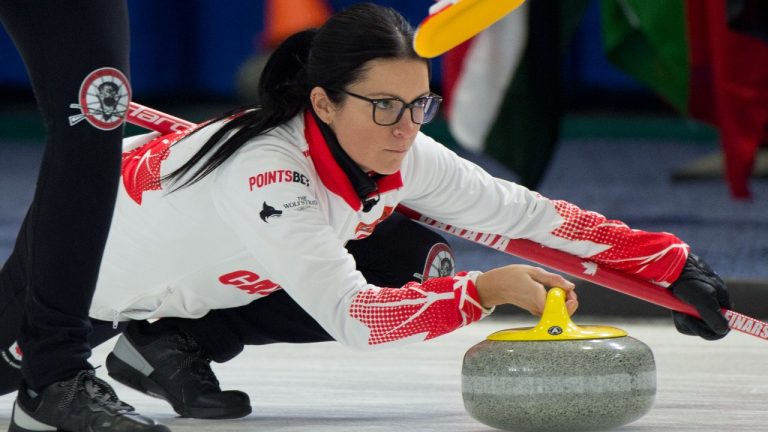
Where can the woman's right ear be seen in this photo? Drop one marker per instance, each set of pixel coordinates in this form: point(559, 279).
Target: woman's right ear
point(322, 104)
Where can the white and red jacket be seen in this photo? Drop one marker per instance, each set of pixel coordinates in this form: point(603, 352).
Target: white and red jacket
point(276, 215)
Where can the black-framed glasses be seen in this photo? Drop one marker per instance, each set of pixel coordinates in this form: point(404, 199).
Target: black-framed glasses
point(388, 111)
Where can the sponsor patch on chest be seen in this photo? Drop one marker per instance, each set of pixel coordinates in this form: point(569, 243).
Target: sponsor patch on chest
point(300, 203)
point(276, 176)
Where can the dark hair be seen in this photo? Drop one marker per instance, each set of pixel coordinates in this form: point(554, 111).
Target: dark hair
point(331, 57)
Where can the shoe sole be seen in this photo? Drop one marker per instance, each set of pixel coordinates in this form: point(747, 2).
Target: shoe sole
point(125, 374)
point(21, 421)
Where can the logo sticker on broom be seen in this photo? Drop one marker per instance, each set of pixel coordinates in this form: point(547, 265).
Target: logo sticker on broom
point(104, 97)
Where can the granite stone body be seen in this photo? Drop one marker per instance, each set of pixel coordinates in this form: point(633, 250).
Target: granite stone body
point(570, 385)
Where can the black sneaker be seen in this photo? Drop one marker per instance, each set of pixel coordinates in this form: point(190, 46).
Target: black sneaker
point(175, 368)
point(83, 403)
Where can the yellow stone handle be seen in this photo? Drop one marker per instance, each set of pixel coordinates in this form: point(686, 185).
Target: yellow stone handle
point(555, 324)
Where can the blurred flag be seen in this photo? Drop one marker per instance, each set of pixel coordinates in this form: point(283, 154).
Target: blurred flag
point(648, 41)
point(687, 53)
point(503, 88)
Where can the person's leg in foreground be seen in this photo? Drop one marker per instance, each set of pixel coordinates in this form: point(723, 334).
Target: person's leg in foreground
point(76, 54)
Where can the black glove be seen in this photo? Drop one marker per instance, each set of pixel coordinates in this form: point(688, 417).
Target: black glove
point(700, 286)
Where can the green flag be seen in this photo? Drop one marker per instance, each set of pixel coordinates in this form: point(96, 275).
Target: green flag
point(648, 40)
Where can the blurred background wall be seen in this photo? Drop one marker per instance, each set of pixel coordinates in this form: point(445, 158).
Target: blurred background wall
point(210, 51)
point(194, 48)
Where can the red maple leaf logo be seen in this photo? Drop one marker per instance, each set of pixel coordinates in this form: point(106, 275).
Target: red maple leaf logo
point(654, 256)
point(363, 230)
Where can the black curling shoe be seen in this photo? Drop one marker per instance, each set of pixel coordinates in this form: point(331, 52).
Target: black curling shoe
point(84, 403)
point(175, 368)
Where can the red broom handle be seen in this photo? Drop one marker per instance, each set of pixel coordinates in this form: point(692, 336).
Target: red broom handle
point(155, 120)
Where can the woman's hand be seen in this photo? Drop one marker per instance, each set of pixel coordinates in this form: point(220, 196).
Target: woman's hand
point(523, 286)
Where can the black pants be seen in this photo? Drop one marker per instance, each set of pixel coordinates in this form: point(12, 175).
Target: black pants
point(48, 281)
point(396, 253)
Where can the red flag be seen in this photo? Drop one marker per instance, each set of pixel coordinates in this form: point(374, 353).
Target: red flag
point(729, 87)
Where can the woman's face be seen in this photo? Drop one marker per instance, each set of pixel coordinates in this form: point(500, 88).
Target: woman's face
point(375, 147)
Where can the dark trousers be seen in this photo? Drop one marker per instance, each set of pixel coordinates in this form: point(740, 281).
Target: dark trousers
point(48, 281)
point(396, 253)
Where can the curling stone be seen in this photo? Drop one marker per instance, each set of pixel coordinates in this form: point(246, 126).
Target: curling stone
point(558, 376)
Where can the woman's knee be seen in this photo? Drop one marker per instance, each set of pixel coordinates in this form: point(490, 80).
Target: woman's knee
point(401, 251)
